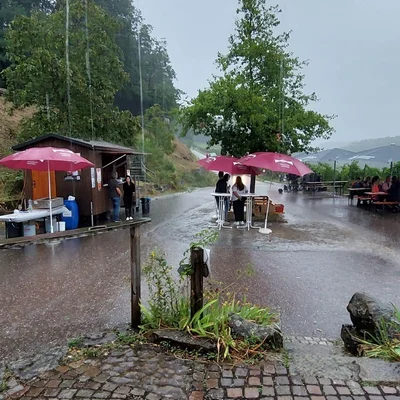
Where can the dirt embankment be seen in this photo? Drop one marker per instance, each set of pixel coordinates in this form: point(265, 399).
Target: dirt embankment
point(9, 124)
point(183, 158)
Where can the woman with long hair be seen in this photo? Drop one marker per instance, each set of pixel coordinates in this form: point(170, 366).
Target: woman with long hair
point(238, 200)
point(129, 193)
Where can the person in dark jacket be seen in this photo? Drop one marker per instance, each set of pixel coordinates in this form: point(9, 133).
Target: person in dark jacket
point(218, 185)
point(129, 195)
point(222, 187)
point(114, 193)
point(394, 190)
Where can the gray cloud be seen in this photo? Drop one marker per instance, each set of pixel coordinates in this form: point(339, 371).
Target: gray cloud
point(352, 46)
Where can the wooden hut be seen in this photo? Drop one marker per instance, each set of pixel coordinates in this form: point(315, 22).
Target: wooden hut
point(88, 186)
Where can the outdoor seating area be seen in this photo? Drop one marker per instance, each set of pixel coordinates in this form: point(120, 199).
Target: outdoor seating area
point(324, 186)
point(378, 197)
point(247, 205)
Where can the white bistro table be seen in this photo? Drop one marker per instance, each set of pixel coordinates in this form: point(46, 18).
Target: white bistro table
point(221, 212)
point(249, 210)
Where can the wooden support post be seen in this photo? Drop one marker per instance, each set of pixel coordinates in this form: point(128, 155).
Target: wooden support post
point(196, 281)
point(253, 184)
point(135, 276)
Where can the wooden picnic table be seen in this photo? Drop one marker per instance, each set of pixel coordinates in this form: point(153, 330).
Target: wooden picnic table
point(355, 192)
point(315, 185)
point(357, 189)
point(378, 199)
point(376, 193)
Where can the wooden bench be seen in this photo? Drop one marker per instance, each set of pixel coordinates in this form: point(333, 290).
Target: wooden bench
point(363, 199)
point(350, 197)
point(391, 204)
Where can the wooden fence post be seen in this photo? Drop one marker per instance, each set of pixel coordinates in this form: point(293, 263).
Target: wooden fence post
point(196, 280)
point(135, 276)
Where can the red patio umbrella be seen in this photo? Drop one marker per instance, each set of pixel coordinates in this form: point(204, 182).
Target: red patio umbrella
point(46, 159)
point(227, 164)
point(277, 163)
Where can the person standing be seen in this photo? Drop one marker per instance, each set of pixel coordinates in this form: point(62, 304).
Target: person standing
point(114, 193)
point(238, 192)
point(129, 195)
point(220, 187)
point(386, 185)
point(227, 199)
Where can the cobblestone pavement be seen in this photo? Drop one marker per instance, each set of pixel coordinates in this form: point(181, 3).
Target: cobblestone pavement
point(145, 372)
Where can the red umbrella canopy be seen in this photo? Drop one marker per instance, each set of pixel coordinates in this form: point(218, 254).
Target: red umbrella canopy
point(45, 159)
point(277, 163)
point(227, 164)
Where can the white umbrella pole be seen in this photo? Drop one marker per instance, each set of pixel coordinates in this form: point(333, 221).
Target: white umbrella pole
point(265, 230)
point(51, 211)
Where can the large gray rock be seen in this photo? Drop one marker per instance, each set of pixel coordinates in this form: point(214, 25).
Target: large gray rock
point(367, 314)
point(183, 339)
point(30, 367)
point(271, 335)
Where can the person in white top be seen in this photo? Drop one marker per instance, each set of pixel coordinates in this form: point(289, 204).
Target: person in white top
point(238, 199)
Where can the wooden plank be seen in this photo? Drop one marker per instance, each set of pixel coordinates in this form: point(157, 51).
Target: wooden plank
point(81, 232)
point(196, 281)
point(135, 276)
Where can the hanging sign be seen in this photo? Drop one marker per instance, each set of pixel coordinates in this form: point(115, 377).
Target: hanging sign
point(93, 177)
point(98, 174)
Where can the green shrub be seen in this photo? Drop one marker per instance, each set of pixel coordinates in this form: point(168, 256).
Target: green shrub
point(169, 305)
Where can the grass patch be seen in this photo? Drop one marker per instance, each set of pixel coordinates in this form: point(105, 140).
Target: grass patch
point(129, 338)
point(383, 345)
point(197, 178)
point(3, 386)
point(75, 342)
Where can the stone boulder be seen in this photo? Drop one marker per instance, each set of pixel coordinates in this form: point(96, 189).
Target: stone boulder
point(367, 314)
point(28, 368)
point(184, 340)
point(349, 335)
point(271, 335)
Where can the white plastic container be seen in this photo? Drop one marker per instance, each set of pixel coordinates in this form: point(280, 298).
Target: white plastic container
point(29, 229)
point(61, 226)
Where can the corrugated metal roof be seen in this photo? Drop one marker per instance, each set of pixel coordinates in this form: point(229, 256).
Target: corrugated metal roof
point(99, 145)
point(325, 156)
point(384, 154)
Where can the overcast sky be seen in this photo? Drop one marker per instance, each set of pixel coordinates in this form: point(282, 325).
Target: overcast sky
point(352, 45)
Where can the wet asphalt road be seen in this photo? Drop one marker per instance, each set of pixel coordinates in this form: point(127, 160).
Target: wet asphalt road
point(308, 269)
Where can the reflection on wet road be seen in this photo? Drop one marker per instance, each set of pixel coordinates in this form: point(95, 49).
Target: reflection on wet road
point(308, 268)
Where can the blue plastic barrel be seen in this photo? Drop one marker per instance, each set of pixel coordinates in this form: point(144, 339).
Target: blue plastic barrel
point(72, 220)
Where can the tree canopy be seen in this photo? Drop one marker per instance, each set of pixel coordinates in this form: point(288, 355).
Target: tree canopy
point(258, 103)
point(158, 74)
point(8, 11)
point(37, 75)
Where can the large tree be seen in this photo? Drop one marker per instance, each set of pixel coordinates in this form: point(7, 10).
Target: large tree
point(158, 74)
point(258, 104)
point(9, 9)
point(37, 75)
